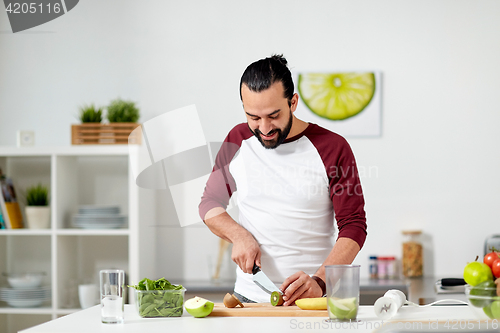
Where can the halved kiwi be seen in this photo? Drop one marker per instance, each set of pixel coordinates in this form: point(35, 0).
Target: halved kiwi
point(231, 301)
point(276, 298)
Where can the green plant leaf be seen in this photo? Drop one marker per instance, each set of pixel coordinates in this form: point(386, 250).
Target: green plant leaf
point(120, 111)
point(37, 195)
point(90, 114)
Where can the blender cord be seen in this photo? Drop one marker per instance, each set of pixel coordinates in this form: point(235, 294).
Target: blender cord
point(455, 301)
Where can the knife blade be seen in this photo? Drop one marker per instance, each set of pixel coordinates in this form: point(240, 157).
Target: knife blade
point(261, 279)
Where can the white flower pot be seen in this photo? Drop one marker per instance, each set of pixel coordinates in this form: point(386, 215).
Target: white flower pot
point(38, 217)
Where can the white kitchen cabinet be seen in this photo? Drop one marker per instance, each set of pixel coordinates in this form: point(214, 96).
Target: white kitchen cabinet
point(76, 175)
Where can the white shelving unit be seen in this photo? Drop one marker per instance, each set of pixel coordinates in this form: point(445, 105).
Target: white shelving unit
point(76, 175)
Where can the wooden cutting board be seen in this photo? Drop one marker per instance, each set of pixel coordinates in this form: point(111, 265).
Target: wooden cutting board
point(265, 310)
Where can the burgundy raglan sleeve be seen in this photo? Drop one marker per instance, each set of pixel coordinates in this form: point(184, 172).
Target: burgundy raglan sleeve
point(344, 184)
point(221, 185)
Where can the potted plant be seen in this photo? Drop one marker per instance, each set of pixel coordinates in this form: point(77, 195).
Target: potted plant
point(122, 116)
point(90, 114)
point(120, 111)
point(37, 207)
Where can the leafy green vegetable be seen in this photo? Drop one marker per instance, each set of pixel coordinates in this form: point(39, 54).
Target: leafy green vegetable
point(159, 298)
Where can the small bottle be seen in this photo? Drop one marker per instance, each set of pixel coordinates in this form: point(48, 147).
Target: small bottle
point(373, 267)
point(413, 261)
point(382, 267)
point(391, 268)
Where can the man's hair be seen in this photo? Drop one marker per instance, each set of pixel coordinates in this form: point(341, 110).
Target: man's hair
point(261, 74)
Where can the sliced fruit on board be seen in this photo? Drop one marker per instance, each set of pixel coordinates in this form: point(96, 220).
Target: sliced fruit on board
point(276, 298)
point(316, 303)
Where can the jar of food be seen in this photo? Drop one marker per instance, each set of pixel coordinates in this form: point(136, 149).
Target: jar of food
point(413, 261)
point(373, 267)
point(491, 244)
point(382, 267)
point(391, 268)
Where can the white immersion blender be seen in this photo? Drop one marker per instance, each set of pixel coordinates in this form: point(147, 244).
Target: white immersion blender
point(387, 306)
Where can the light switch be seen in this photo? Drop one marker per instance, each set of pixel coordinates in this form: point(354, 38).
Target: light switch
point(25, 138)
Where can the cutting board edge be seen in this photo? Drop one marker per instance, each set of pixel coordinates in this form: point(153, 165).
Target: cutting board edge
point(265, 310)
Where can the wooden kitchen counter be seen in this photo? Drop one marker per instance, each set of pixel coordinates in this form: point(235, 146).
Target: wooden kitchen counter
point(430, 319)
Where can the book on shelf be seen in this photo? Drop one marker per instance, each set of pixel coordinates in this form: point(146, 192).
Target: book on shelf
point(11, 211)
point(2, 222)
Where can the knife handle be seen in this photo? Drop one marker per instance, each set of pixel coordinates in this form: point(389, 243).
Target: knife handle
point(450, 282)
point(255, 269)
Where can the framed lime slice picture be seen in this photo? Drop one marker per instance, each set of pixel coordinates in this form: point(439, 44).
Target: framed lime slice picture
point(346, 102)
point(336, 96)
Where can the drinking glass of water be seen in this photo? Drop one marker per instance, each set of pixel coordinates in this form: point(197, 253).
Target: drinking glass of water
point(112, 288)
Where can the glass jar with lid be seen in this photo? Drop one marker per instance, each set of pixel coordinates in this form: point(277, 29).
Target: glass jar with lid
point(413, 261)
point(373, 267)
point(386, 267)
point(391, 268)
point(492, 243)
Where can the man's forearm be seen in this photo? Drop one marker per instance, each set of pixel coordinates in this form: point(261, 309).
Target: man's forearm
point(246, 250)
point(343, 253)
point(223, 225)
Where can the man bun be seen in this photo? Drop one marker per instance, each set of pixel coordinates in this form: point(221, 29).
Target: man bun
point(261, 74)
point(280, 58)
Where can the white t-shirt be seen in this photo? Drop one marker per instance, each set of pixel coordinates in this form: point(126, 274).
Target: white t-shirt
point(286, 198)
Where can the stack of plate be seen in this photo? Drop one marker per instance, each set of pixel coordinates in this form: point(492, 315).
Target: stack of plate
point(25, 298)
point(98, 210)
point(99, 217)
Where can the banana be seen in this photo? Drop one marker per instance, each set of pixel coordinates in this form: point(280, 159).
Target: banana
point(318, 303)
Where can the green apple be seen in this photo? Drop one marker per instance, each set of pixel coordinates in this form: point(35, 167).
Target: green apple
point(477, 272)
point(344, 309)
point(487, 311)
point(483, 290)
point(495, 310)
point(199, 307)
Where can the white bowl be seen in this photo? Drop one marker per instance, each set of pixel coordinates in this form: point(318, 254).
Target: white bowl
point(25, 280)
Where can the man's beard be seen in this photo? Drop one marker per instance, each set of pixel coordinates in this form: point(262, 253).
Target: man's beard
point(282, 134)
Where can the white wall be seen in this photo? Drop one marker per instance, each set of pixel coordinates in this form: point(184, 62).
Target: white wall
point(435, 167)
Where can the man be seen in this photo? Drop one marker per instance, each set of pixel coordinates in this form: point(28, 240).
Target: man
point(290, 175)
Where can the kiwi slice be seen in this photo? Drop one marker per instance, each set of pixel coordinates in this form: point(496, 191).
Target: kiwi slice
point(276, 298)
point(231, 301)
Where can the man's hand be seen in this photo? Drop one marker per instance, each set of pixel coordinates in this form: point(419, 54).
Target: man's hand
point(299, 285)
point(246, 252)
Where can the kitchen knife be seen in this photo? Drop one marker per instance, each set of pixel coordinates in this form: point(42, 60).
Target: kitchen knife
point(263, 281)
point(452, 282)
point(450, 286)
